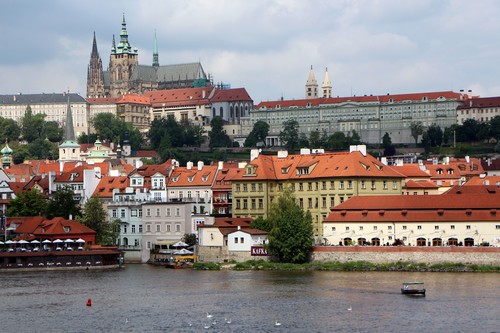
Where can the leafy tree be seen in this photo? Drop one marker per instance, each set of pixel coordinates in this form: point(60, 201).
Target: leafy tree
point(337, 141)
point(315, 139)
point(416, 129)
point(258, 134)
point(435, 134)
point(62, 204)
point(53, 132)
point(194, 135)
point(28, 203)
point(87, 138)
point(355, 139)
point(483, 131)
point(261, 224)
point(386, 140)
point(190, 239)
point(9, 130)
point(40, 149)
point(111, 128)
point(94, 217)
point(495, 128)
point(468, 130)
point(289, 136)
point(303, 141)
point(21, 154)
point(291, 235)
point(448, 134)
point(32, 126)
point(217, 136)
point(426, 142)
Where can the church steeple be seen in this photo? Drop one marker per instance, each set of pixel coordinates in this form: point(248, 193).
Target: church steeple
point(311, 85)
point(156, 62)
point(69, 150)
point(327, 86)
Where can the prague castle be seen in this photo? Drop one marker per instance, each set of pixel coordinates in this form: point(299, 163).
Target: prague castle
point(125, 74)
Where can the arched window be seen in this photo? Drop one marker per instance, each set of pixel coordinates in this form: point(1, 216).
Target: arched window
point(452, 241)
point(361, 241)
point(376, 241)
point(231, 112)
point(213, 113)
point(125, 241)
point(347, 241)
point(421, 241)
point(437, 242)
point(221, 111)
point(469, 242)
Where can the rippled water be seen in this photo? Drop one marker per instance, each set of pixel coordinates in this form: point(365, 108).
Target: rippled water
point(142, 298)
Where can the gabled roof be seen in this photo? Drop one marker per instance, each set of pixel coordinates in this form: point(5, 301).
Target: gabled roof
point(40, 227)
point(75, 175)
point(109, 183)
point(480, 102)
point(133, 99)
point(487, 180)
point(314, 166)
point(421, 184)
point(411, 170)
point(185, 96)
point(194, 177)
point(18, 171)
point(227, 95)
point(224, 177)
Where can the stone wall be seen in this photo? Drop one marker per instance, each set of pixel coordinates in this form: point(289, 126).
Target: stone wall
point(221, 254)
point(388, 254)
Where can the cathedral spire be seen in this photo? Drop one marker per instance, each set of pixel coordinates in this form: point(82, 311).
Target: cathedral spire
point(156, 62)
point(327, 86)
point(94, 53)
point(311, 85)
point(113, 45)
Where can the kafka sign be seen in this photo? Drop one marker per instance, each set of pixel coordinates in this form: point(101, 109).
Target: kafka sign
point(258, 251)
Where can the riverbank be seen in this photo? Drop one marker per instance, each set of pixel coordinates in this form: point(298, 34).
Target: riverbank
point(354, 266)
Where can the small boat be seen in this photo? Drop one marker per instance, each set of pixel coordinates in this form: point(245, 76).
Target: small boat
point(413, 288)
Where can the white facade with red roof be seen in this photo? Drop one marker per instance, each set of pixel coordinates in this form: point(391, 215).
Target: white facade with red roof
point(371, 116)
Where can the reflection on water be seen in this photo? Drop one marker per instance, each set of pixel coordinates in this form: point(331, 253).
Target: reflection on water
point(142, 298)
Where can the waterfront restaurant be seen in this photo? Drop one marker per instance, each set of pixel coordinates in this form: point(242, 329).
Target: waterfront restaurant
point(458, 217)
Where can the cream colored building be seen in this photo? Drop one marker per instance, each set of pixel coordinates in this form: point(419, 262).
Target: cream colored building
point(456, 218)
point(319, 181)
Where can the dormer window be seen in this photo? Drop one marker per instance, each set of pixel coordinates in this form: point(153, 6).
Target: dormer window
point(450, 171)
point(175, 179)
point(67, 229)
point(204, 178)
point(439, 171)
point(190, 179)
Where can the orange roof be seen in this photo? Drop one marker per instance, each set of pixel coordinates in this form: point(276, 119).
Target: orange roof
point(185, 96)
point(76, 174)
point(184, 177)
point(487, 180)
point(423, 184)
point(313, 166)
point(414, 208)
point(39, 226)
point(224, 177)
point(411, 170)
point(359, 99)
point(108, 183)
point(133, 99)
point(236, 94)
point(473, 189)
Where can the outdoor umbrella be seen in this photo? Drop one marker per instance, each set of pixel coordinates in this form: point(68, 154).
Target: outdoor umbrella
point(183, 251)
point(22, 241)
point(1, 243)
point(179, 244)
point(79, 240)
point(69, 241)
point(57, 241)
point(46, 242)
point(10, 242)
point(35, 242)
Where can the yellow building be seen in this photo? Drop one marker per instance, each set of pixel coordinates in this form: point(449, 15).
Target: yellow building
point(318, 180)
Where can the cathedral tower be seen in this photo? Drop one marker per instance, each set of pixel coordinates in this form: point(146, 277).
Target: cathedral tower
point(311, 86)
point(95, 75)
point(122, 63)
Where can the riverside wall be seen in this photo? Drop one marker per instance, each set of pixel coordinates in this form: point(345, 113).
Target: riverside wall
point(390, 254)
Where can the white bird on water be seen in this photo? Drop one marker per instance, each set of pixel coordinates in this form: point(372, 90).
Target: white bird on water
point(209, 315)
point(126, 320)
point(349, 308)
point(228, 321)
point(277, 323)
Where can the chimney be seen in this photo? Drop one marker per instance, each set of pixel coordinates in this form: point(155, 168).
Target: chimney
point(200, 165)
point(189, 165)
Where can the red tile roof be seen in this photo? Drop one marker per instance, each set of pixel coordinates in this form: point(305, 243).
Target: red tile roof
point(421, 184)
point(480, 102)
point(108, 183)
point(185, 96)
point(486, 180)
point(184, 177)
point(133, 99)
point(411, 171)
point(58, 227)
point(235, 94)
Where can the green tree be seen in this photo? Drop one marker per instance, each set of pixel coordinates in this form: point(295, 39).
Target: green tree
point(337, 141)
point(386, 140)
point(217, 136)
point(62, 204)
point(426, 142)
point(289, 136)
point(9, 130)
point(111, 128)
point(190, 239)
point(435, 134)
point(416, 129)
point(258, 134)
point(28, 203)
point(32, 126)
point(315, 139)
point(94, 216)
point(469, 130)
point(261, 224)
point(303, 141)
point(53, 132)
point(87, 138)
point(355, 139)
point(495, 128)
point(40, 149)
point(291, 235)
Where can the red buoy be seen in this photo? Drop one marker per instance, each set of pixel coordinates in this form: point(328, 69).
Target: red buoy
point(89, 302)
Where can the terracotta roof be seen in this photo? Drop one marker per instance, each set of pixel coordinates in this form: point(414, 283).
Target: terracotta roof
point(145, 153)
point(76, 174)
point(173, 97)
point(184, 177)
point(252, 231)
point(359, 99)
point(108, 183)
point(423, 184)
point(222, 222)
point(411, 170)
point(487, 180)
point(224, 178)
point(39, 226)
point(480, 102)
point(473, 189)
point(313, 166)
point(133, 99)
point(236, 94)
point(17, 187)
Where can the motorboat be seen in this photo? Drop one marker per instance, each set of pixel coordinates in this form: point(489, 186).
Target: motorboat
point(413, 289)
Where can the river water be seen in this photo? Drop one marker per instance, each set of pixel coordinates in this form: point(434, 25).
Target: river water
point(143, 298)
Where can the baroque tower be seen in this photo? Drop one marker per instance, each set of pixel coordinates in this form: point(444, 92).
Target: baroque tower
point(327, 86)
point(122, 63)
point(311, 85)
point(69, 150)
point(95, 75)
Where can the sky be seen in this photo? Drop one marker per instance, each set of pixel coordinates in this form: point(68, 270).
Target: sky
point(266, 46)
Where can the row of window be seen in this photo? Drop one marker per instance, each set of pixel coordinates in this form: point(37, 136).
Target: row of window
point(404, 227)
point(138, 212)
point(342, 185)
point(167, 227)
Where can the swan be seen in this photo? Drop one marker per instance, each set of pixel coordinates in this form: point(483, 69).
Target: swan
point(209, 315)
point(349, 308)
point(207, 326)
point(228, 321)
point(277, 323)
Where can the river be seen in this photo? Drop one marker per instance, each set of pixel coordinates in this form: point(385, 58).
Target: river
point(143, 298)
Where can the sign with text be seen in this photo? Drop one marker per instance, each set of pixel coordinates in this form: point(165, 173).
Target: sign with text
point(258, 251)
